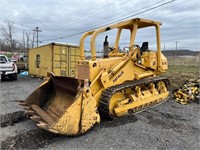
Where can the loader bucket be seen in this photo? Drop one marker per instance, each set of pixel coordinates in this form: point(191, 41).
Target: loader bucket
point(62, 105)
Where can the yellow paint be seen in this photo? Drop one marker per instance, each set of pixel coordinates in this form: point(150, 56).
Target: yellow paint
point(60, 59)
point(73, 102)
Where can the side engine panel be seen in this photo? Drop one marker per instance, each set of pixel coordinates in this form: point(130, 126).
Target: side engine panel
point(149, 60)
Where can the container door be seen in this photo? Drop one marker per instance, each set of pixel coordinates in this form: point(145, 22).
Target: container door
point(74, 57)
point(61, 60)
point(64, 61)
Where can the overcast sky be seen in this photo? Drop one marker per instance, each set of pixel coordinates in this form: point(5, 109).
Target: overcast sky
point(59, 19)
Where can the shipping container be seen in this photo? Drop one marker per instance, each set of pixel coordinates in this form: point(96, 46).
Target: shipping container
point(58, 58)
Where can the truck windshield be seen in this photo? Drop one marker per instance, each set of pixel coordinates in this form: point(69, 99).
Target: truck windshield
point(3, 59)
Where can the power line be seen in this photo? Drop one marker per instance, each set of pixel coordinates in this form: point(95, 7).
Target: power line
point(170, 6)
point(73, 34)
point(98, 14)
point(141, 12)
point(154, 13)
point(177, 10)
point(90, 13)
point(84, 14)
point(177, 23)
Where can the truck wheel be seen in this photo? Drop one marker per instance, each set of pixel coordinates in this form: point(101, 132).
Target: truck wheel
point(15, 76)
point(2, 77)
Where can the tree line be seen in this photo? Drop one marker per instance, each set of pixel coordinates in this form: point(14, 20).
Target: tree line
point(9, 42)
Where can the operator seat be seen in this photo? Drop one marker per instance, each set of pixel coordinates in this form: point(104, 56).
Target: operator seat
point(144, 47)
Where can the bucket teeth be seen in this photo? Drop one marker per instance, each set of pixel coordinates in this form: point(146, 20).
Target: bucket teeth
point(42, 124)
point(19, 101)
point(31, 112)
point(23, 104)
point(27, 108)
point(44, 115)
point(36, 118)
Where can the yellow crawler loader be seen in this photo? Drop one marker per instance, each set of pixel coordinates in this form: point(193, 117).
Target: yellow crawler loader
point(119, 84)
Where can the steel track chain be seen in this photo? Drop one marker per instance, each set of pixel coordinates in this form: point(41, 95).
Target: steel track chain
point(109, 92)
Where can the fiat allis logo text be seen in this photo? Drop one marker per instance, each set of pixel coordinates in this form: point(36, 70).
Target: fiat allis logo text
point(118, 76)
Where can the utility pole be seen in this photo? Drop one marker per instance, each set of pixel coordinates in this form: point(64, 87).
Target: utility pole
point(176, 53)
point(176, 46)
point(0, 44)
point(37, 30)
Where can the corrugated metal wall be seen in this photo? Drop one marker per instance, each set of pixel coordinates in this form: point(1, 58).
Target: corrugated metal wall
point(60, 59)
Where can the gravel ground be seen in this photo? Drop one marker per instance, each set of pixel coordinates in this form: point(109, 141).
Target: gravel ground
point(167, 126)
point(16, 90)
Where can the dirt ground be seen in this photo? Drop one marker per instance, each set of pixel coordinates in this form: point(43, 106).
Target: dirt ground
point(167, 126)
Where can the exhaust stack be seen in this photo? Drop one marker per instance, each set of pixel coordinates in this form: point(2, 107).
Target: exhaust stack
point(106, 47)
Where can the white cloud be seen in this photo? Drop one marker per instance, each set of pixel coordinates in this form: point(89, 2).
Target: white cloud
point(65, 17)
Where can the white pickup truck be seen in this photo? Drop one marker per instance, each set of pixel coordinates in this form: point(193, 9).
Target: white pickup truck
point(7, 69)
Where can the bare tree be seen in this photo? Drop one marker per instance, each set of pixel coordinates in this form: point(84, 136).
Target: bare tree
point(28, 40)
point(8, 30)
point(3, 45)
point(33, 40)
point(23, 39)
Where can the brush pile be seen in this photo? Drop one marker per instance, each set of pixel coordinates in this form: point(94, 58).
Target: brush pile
point(189, 92)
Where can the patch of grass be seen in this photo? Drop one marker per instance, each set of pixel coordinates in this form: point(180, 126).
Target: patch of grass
point(184, 60)
point(178, 74)
point(182, 68)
